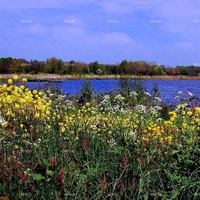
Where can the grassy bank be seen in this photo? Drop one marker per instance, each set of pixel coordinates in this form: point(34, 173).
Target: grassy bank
point(124, 146)
point(44, 77)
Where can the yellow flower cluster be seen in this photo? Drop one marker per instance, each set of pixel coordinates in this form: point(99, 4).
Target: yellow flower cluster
point(20, 103)
point(20, 106)
point(182, 126)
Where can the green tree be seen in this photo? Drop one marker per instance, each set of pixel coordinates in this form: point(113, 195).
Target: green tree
point(94, 67)
point(54, 66)
point(157, 70)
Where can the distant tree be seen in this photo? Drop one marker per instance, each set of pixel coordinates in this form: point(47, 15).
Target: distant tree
point(54, 66)
point(183, 70)
point(5, 65)
point(15, 66)
point(157, 70)
point(94, 66)
point(36, 67)
point(172, 71)
point(123, 66)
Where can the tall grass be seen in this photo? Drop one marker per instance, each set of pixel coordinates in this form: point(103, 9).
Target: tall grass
point(116, 149)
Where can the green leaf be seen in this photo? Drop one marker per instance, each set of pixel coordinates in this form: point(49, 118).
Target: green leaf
point(49, 172)
point(38, 177)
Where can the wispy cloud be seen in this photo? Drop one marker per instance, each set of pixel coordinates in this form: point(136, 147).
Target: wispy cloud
point(107, 30)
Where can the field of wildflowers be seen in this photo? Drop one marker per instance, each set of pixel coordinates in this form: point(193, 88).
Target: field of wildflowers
point(123, 146)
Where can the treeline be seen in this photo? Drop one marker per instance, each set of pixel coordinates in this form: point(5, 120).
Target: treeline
point(57, 66)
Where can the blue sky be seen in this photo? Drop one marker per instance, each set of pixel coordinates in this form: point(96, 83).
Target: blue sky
point(107, 31)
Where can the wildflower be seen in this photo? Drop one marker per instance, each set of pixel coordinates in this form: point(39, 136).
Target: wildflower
point(5, 124)
point(2, 120)
point(15, 77)
point(34, 91)
point(10, 81)
point(87, 104)
point(16, 146)
point(40, 93)
point(180, 93)
point(169, 139)
point(63, 129)
point(24, 80)
point(148, 94)
point(133, 93)
point(190, 94)
point(157, 99)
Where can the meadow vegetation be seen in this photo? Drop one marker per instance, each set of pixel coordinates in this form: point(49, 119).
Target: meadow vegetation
point(121, 145)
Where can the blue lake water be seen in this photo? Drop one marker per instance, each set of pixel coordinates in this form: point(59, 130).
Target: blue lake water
point(168, 88)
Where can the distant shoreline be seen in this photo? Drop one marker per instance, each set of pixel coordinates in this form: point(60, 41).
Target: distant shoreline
point(46, 77)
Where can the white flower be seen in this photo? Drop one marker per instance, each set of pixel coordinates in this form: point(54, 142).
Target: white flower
point(180, 92)
point(140, 108)
point(157, 99)
point(159, 119)
point(148, 94)
point(133, 134)
point(190, 94)
point(27, 171)
point(112, 142)
point(133, 93)
point(2, 120)
point(177, 97)
point(94, 127)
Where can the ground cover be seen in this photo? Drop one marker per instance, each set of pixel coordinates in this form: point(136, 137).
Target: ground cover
point(116, 146)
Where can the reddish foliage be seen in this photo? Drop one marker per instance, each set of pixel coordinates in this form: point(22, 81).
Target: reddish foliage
point(85, 187)
point(122, 188)
point(133, 184)
point(1, 155)
point(84, 144)
point(104, 184)
point(22, 176)
point(52, 162)
point(61, 175)
point(16, 165)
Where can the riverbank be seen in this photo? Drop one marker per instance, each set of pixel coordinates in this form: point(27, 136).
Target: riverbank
point(46, 77)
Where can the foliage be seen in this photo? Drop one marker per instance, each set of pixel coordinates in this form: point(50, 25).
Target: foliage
point(58, 66)
point(86, 92)
point(51, 149)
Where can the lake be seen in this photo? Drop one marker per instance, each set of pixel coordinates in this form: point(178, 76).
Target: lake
point(168, 88)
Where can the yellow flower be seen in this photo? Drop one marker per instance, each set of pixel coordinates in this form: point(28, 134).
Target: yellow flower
point(24, 80)
point(40, 93)
point(63, 129)
point(35, 91)
point(172, 119)
point(39, 140)
point(189, 113)
point(16, 146)
point(15, 77)
point(37, 115)
point(5, 124)
point(10, 81)
point(17, 106)
point(169, 139)
point(22, 87)
point(87, 104)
